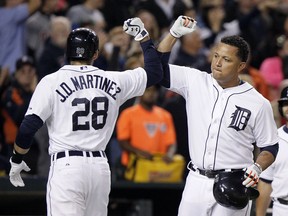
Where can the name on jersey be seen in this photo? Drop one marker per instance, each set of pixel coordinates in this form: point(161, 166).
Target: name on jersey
point(87, 81)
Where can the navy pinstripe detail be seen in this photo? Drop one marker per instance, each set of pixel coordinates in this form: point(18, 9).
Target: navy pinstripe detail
point(79, 71)
point(48, 192)
point(204, 153)
point(221, 123)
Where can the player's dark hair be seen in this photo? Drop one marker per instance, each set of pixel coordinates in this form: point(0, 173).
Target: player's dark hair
point(237, 41)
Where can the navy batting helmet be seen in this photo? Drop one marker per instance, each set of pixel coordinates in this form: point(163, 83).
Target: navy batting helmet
point(82, 43)
point(229, 191)
point(283, 100)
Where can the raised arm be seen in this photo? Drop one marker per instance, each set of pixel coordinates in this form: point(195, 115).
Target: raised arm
point(167, 43)
point(182, 26)
point(152, 63)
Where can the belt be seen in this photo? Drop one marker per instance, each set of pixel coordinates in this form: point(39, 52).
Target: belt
point(282, 201)
point(209, 173)
point(78, 153)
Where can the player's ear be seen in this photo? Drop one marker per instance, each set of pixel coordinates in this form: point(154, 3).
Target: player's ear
point(242, 66)
point(95, 56)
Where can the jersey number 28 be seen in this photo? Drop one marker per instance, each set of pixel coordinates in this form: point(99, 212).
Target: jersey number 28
point(99, 109)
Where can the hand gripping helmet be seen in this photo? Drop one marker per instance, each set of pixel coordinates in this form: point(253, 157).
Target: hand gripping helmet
point(283, 100)
point(229, 191)
point(82, 43)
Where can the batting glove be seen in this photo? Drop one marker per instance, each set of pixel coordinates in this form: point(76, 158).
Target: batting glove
point(182, 26)
point(251, 175)
point(14, 174)
point(135, 27)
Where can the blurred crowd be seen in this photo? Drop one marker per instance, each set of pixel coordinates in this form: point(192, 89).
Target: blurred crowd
point(33, 37)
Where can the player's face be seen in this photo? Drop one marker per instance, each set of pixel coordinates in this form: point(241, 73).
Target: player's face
point(226, 65)
point(285, 110)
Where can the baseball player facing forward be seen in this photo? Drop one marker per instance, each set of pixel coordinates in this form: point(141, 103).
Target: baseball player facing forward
point(80, 105)
point(273, 181)
point(226, 116)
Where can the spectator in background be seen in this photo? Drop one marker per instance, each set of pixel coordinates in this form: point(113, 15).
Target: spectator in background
point(212, 22)
point(192, 52)
point(38, 27)
point(4, 82)
point(116, 49)
point(12, 30)
point(88, 11)
point(52, 57)
point(15, 101)
point(163, 10)
point(260, 22)
point(150, 23)
point(272, 67)
point(176, 106)
point(284, 56)
point(257, 80)
point(146, 129)
point(279, 120)
point(185, 8)
point(116, 11)
point(4, 79)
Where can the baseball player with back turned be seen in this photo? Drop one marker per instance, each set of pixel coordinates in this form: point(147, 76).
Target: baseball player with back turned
point(226, 117)
point(79, 104)
point(273, 181)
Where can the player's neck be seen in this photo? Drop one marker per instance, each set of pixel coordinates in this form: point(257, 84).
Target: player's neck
point(230, 85)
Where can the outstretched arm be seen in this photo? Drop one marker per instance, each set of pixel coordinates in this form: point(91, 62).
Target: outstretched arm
point(152, 63)
point(183, 25)
point(167, 43)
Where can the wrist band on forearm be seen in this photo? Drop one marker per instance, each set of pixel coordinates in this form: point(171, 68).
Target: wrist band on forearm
point(16, 157)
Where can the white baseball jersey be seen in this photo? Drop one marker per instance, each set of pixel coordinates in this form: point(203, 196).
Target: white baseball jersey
point(223, 123)
point(278, 171)
point(80, 105)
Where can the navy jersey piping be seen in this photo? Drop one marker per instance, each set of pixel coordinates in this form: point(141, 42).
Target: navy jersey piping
point(221, 123)
point(79, 71)
point(204, 153)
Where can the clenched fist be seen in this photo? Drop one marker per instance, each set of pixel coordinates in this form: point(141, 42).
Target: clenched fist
point(135, 27)
point(182, 26)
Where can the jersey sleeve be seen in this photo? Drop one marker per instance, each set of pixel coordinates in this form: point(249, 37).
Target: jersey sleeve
point(41, 101)
point(267, 174)
point(132, 82)
point(179, 76)
point(123, 126)
point(265, 130)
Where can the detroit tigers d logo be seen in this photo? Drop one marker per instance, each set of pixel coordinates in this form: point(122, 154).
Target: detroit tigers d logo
point(240, 118)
